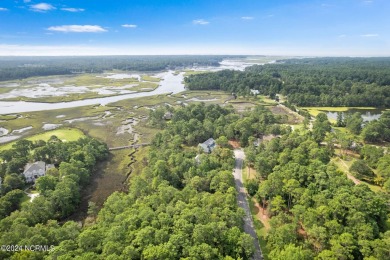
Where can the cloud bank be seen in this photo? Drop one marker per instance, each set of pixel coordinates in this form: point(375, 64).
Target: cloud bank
point(77, 28)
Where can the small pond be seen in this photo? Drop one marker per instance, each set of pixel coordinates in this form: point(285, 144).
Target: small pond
point(367, 114)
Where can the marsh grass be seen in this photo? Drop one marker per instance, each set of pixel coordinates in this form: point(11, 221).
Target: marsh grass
point(150, 78)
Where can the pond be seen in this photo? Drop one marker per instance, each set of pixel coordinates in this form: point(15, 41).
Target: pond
point(367, 114)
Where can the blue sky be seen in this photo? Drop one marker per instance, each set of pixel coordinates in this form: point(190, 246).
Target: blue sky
point(274, 27)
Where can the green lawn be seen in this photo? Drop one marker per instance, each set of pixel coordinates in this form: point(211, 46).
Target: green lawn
point(344, 167)
point(68, 134)
point(267, 100)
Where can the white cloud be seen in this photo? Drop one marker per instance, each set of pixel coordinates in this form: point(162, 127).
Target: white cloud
point(247, 18)
point(26, 1)
point(3, 9)
point(369, 35)
point(73, 10)
point(77, 28)
point(129, 25)
point(200, 22)
point(42, 7)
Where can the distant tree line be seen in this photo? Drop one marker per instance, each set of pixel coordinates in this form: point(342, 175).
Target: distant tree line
point(308, 82)
point(12, 68)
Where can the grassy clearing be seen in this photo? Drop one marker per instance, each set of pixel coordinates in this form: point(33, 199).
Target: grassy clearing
point(24, 199)
point(261, 231)
point(344, 165)
point(341, 130)
point(267, 100)
point(67, 134)
point(248, 173)
point(149, 78)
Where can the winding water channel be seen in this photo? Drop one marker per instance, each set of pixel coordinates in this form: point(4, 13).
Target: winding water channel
point(171, 83)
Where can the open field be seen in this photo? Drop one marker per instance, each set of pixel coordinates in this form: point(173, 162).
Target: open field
point(65, 134)
point(344, 165)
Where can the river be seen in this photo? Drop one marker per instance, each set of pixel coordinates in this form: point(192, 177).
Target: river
point(171, 83)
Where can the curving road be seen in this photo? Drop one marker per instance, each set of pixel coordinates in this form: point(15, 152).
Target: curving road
point(243, 203)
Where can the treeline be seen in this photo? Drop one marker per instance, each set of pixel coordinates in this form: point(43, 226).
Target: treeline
point(34, 223)
point(12, 68)
point(317, 213)
point(309, 82)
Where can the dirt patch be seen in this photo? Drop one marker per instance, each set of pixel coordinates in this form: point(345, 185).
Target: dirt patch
point(235, 144)
point(292, 117)
point(261, 214)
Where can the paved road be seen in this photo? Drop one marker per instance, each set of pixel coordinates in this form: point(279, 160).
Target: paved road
point(243, 203)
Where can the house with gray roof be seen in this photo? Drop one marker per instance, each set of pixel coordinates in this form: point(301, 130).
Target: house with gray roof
point(33, 171)
point(208, 146)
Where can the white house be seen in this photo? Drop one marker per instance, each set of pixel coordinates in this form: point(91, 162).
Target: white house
point(33, 171)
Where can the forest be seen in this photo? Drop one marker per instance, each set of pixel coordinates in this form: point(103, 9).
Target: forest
point(12, 68)
point(177, 208)
point(37, 222)
point(316, 213)
point(308, 82)
point(180, 207)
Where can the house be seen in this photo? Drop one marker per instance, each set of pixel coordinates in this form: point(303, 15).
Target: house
point(168, 116)
point(208, 146)
point(33, 171)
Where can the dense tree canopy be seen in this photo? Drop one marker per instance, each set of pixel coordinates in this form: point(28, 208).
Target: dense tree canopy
point(309, 82)
point(316, 212)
